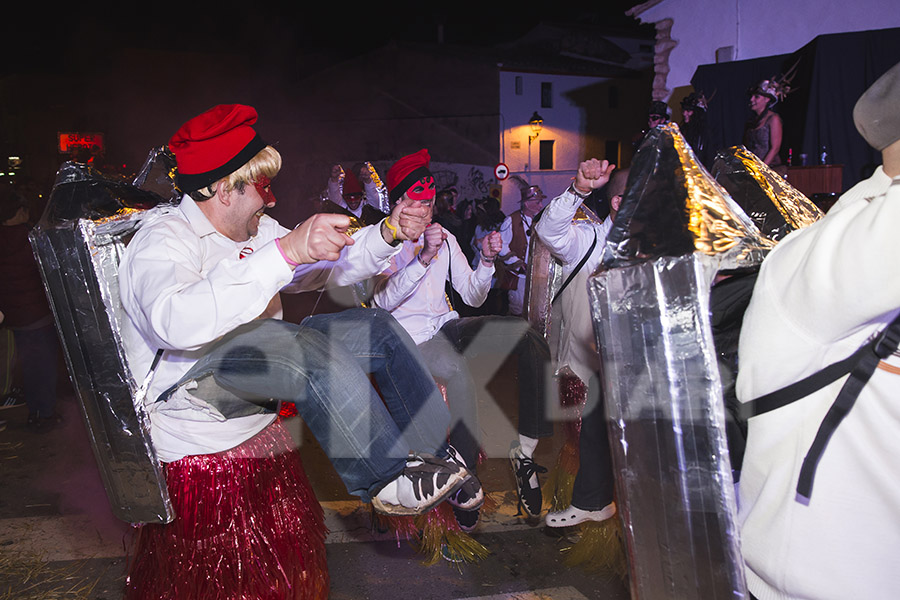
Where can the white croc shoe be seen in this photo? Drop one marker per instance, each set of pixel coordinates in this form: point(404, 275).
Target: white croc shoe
point(573, 516)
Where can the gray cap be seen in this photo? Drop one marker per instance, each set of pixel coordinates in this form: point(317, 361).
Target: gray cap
point(877, 112)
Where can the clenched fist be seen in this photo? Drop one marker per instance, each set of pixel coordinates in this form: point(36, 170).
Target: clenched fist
point(434, 238)
point(409, 217)
point(592, 174)
point(491, 245)
point(321, 237)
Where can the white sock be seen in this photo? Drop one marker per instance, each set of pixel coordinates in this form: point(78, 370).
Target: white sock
point(528, 445)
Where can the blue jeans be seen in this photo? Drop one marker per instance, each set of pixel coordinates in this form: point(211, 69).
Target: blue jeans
point(470, 338)
point(322, 366)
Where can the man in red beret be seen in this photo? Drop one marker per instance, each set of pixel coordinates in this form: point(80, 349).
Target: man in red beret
point(354, 201)
point(200, 285)
point(412, 288)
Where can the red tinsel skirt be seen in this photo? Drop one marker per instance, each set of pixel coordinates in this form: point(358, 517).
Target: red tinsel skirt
point(247, 526)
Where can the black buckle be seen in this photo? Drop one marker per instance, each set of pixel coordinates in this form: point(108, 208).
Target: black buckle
point(887, 341)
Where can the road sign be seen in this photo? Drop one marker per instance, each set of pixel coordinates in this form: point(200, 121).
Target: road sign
point(501, 172)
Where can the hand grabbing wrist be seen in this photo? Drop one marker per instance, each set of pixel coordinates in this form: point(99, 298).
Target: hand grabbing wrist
point(389, 233)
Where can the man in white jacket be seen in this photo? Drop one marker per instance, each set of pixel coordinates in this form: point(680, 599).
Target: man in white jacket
point(570, 241)
point(821, 293)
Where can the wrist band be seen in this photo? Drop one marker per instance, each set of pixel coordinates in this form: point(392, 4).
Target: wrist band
point(577, 193)
point(391, 228)
point(485, 259)
point(422, 262)
point(283, 255)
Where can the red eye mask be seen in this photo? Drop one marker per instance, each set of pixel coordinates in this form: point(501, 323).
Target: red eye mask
point(263, 187)
point(423, 190)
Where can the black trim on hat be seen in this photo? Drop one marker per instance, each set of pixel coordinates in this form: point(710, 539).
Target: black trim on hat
point(191, 182)
point(407, 182)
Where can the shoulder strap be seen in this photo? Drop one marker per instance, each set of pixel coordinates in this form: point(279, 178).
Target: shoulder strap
point(577, 268)
point(860, 365)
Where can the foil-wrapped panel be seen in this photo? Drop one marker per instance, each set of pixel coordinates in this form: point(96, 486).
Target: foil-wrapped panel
point(78, 245)
point(676, 230)
point(774, 205)
point(665, 411)
point(543, 279)
point(672, 206)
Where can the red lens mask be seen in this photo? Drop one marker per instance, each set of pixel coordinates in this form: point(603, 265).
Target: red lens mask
point(423, 190)
point(263, 187)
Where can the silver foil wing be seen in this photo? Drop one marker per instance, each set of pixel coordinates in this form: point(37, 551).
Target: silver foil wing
point(78, 245)
point(384, 202)
point(673, 206)
point(543, 278)
point(650, 299)
point(774, 205)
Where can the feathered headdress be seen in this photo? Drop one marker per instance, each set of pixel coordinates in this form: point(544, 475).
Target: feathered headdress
point(776, 88)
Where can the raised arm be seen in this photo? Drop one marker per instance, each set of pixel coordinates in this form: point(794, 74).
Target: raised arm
point(555, 228)
point(367, 254)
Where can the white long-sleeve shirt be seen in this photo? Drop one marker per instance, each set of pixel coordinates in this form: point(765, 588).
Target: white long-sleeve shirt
point(821, 293)
point(569, 241)
point(183, 285)
point(415, 294)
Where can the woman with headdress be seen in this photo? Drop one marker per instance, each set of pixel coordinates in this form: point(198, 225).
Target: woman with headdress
point(763, 132)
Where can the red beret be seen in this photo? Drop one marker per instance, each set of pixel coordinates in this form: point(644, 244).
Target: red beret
point(214, 145)
point(351, 184)
point(406, 172)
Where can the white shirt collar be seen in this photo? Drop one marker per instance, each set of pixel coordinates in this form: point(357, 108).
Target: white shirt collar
point(199, 223)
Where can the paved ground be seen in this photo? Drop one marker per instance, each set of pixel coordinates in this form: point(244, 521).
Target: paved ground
point(58, 538)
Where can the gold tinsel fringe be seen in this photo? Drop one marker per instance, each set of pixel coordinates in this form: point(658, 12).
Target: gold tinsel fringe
point(557, 488)
point(436, 534)
point(600, 546)
point(442, 537)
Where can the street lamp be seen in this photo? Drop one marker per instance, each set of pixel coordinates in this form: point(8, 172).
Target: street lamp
point(537, 123)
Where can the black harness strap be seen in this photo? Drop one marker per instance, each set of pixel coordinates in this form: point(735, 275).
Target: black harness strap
point(575, 271)
point(860, 365)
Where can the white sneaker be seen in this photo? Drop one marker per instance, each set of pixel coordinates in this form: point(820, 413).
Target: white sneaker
point(425, 482)
point(573, 516)
point(470, 495)
point(528, 487)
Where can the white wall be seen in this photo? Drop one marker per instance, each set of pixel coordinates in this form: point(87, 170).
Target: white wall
point(759, 28)
point(564, 123)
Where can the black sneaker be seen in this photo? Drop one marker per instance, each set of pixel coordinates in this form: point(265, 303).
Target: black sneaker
point(471, 495)
point(527, 485)
point(425, 482)
point(466, 519)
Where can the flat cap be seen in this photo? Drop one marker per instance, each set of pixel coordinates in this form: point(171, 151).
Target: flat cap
point(877, 112)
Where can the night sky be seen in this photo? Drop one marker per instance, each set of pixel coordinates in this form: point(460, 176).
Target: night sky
point(78, 36)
